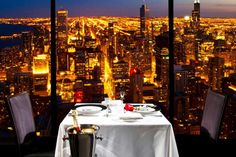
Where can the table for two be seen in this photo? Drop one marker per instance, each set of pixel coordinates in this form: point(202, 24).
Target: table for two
point(149, 136)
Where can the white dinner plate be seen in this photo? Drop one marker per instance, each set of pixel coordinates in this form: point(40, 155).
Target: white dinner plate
point(89, 109)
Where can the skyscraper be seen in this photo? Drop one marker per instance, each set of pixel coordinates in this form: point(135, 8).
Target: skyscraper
point(136, 85)
point(62, 36)
point(23, 81)
point(27, 39)
point(80, 65)
point(216, 73)
point(162, 66)
point(143, 16)
point(62, 27)
point(111, 33)
point(41, 75)
point(120, 72)
point(196, 14)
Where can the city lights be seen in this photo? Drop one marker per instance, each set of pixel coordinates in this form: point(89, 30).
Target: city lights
point(98, 56)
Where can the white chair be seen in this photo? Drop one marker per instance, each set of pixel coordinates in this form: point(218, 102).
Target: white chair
point(22, 115)
point(206, 142)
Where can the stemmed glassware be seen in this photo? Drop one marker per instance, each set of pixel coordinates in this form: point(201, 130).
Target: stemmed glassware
point(107, 102)
point(122, 97)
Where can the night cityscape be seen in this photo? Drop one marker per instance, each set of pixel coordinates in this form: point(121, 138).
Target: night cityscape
point(99, 56)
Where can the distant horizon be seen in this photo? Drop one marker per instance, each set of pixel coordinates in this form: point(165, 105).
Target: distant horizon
point(110, 16)
point(115, 8)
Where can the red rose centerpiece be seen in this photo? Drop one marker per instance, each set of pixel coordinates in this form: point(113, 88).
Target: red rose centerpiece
point(129, 107)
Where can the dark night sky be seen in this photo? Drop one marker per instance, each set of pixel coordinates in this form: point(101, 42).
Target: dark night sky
point(41, 8)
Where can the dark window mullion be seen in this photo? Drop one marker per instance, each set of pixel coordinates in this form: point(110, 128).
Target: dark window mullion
point(171, 60)
point(53, 70)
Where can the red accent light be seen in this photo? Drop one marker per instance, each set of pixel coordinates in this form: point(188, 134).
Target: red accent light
point(134, 71)
point(78, 96)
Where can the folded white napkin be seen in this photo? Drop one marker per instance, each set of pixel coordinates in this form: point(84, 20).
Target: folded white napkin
point(112, 102)
point(130, 115)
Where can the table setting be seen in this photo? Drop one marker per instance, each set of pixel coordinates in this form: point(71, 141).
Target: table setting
point(126, 129)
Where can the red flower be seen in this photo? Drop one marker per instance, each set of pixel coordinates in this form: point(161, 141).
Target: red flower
point(129, 107)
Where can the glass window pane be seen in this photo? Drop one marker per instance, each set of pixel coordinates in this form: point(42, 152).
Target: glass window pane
point(204, 50)
point(111, 46)
point(25, 56)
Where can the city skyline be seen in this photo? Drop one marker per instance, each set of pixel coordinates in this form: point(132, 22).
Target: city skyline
point(158, 8)
point(105, 56)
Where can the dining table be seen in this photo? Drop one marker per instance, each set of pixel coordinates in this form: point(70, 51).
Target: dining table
point(123, 133)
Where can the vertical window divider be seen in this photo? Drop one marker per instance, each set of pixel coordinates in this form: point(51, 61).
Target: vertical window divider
point(53, 97)
point(171, 60)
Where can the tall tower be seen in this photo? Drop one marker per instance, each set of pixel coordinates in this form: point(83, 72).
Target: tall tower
point(27, 39)
point(162, 67)
point(143, 16)
point(216, 73)
point(62, 27)
point(196, 14)
point(145, 57)
point(62, 36)
point(111, 33)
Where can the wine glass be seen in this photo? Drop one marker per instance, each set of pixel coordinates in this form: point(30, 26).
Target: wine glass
point(122, 97)
point(107, 103)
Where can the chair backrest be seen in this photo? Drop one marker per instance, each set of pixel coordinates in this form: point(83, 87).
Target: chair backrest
point(22, 115)
point(212, 114)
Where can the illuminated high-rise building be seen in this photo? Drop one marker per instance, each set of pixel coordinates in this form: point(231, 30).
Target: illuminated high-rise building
point(196, 14)
point(80, 65)
point(62, 37)
point(141, 57)
point(71, 59)
point(27, 39)
point(143, 16)
point(92, 60)
point(220, 45)
point(136, 85)
point(23, 81)
point(78, 91)
point(63, 60)
point(216, 73)
point(62, 27)
point(90, 42)
point(162, 57)
point(189, 47)
point(162, 66)
point(41, 81)
point(111, 33)
point(180, 53)
point(120, 71)
point(66, 90)
point(110, 54)
point(185, 89)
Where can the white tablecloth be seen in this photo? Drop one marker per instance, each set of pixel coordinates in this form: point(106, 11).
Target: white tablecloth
point(151, 136)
